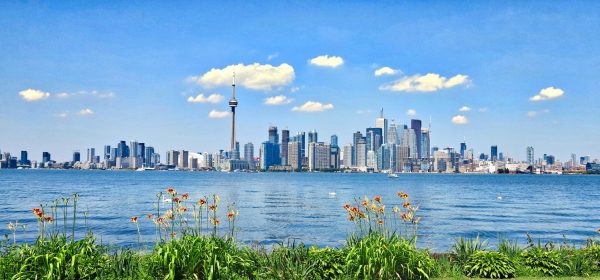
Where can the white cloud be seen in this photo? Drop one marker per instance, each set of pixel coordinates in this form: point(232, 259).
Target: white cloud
point(327, 61)
point(386, 71)
point(547, 94)
point(294, 89)
point(86, 111)
point(482, 110)
point(218, 114)
point(33, 95)
point(411, 112)
point(278, 100)
point(425, 83)
point(252, 76)
point(272, 56)
point(200, 98)
point(460, 119)
point(63, 115)
point(464, 109)
point(92, 93)
point(312, 106)
point(533, 114)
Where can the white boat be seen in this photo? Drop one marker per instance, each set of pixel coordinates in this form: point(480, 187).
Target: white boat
point(392, 175)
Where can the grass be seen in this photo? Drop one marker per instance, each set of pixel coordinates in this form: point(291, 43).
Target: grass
point(194, 242)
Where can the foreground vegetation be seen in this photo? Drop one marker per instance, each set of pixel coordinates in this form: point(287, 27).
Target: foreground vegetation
point(193, 242)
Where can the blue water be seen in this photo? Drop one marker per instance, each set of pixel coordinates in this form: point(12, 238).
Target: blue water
point(276, 207)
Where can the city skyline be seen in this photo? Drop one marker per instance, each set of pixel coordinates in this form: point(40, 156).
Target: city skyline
point(166, 83)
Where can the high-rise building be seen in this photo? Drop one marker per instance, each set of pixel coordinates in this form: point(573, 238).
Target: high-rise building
point(415, 125)
point(269, 155)
point(183, 159)
point(425, 143)
point(313, 137)
point(134, 149)
point(273, 135)
point(574, 160)
point(392, 137)
point(24, 160)
point(173, 158)
point(285, 138)
point(463, 148)
point(106, 154)
point(46, 157)
point(148, 159)
point(384, 157)
point(294, 155)
point(233, 103)
point(530, 156)
point(347, 155)
point(334, 159)
point(249, 153)
point(122, 149)
point(141, 151)
point(76, 157)
point(318, 156)
point(374, 136)
point(494, 153)
point(91, 154)
point(356, 137)
point(334, 140)
point(382, 123)
point(361, 153)
point(584, 160)
point(301, 137)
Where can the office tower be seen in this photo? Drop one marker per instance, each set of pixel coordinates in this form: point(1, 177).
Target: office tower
point(122, 149)
point(24, 160)
point(249, 153)
point(294, 155)
point(285, 139)
point(141, 151)
point(441, 161)
point(384, 157)
point(392, 134)
point(403, 159)
point(411, 143)
point(374, 136)
point(234, 154)
point(382, 123)
point(415, 125)
point(183, 159)
point(301, 136)
point(494, 153)
point(46, 157)
point(425, 143)
point(318, 156)
point(76, 157)
point(91, 154)
point(463, 148)
point(269, 155)
point(312, 137)
point(584, 160)
point(134, 149)
point(550, 159)
point(356, 137)
point(334, 157)
point(173, 158)
point(501, 156)
point(530, 156)
point(361, 153)
point(574, 160)
point(106, 153)
point(334, 140)
point(347, 155)
point(148, 153)
point(273, 135)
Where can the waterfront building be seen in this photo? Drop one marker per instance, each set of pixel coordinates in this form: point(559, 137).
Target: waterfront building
point(294, 155)
point(356, 137)
point(249, 153)
point(148, 160)
point(76, 157)
point(441, 161)
point(183, 159)
point(374, 136)
point(122, 149)
point(141, 151)
point(334, 158)
point(273, 135)
point(392, 137)
point(24, 161)
point(382, 123)
point(383, 157)
point(313, 137)
point(574, 160)
point(403, 159)
point(425, 144)
point(530, 155)
point(301, 137)
point(411, 143)
point(463, 149)
point(46, 157)
point(318, 156)
point(584, 160)
point(334, 141)
point(285, 139)
point(269, 155)
point(415, 125)
point(494, 153)
point(91, 154)
point(372, 160)
point(133, 149)
point(233, 103)
point(106, 154)
point(347, 156)
point(173, 158)
point(361, 153)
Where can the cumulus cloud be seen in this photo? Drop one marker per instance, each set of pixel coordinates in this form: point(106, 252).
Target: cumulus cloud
point(85, 112)
point(464, 109)
point(252, 76)
point(30, 95)
point(460, 119)
point(411, 112)
point(327, 61)
point(278, 100)
point(547, 94)
point(218, 114)
point(312, 106)
point(425, 83)
point(386, 71)
point(200, 98)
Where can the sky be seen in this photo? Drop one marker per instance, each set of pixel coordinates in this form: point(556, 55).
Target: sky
point(80, 74)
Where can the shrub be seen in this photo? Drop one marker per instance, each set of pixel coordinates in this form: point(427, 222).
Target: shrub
point(543, 261)
point(387, 257)
point(592, 252)
point(463, 248)
point(329, 262)
point(510, 248)
point(576, 262)
point(289, 261)
point(489, 265)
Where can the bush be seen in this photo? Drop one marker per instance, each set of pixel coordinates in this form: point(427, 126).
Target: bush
point(329, 262)
point(463, 248)
point(592, 252)
point(286, 262)
point(489, 265)
point(546, 262)
point(392, 257)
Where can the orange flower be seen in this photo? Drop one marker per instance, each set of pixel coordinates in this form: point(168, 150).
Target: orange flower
point(185, 196)
point(49, 219)
point(173, 234)
point(201, 202)
point(149, 216)
point(381, 209)
point(406, 205)
point(351, 218)
point(346, 206)
point(403, 216)
point(37, 210)
point(171, 191)
point(598, 230)
point(182, 209)
point(377, 198)
point(134, 219)
point(215, 221)
point(365, 203)
point(212, 207)
point(402, 195)
point(230, 215)
point(380, 221)
point(354, 209)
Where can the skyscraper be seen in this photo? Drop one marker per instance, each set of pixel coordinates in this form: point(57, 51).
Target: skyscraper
point(416, 126)
point(148, 160)
point(133, 149)
point(46, 157)
point(463, 148)
point(318, 156)
point(334, 140)
point(312, 137)
point(425, 143)
point(530, 156)
point(301, 137)
point(24, 160)
point(494, 153)
point(269, 155)
point(91, 154)
point(106, 155)
point(392, 137)
point(374, 138)
point(382, 123)
point(285, 138)
point(76, 157)
point(273, 135)
point(294, 157)
point(122, 149)
point(347, 156)
point(249, 153)
point(234, 154)
point(356, 137)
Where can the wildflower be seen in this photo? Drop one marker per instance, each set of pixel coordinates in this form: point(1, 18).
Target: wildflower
point(365, 203)
point(351, 218)
point(185, 196)
point(215, 221)
point(406, 205)
point(173, 234)
point(380, 221)
point(402, 195)
point(377, 198)
point(38, 213)
point(149, 216)
point(134, 219)
point(396, 209)
point(346, 206)
point(373, 207)
point(49, 219)
point(213, 207)
point(354, 209)
point(176, 199)
point(11, 226)
point(598, 230)
point(230, 215)
point(171, 191)
point(217, 198)
point(381, 209)
point(201, 202)
point(182, 209)
point(403, 216)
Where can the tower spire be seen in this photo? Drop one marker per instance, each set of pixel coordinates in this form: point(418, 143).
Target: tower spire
point(233, 104)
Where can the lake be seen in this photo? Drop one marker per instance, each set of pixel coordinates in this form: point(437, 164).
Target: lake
point(277, 207)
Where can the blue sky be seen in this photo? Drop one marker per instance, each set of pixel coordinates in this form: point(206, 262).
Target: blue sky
point(105, 71)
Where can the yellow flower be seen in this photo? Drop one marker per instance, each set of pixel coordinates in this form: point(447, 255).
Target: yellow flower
point(395, 209)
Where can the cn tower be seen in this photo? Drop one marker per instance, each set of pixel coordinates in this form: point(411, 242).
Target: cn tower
point(233, 103)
